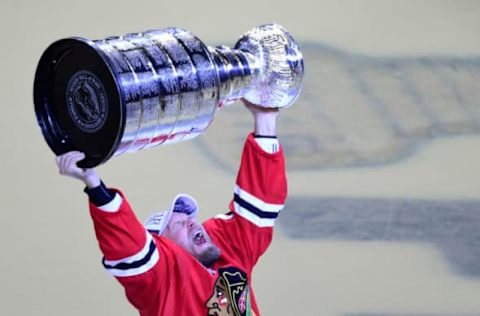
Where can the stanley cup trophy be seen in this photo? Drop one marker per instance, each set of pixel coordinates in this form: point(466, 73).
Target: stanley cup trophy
point(124, 94)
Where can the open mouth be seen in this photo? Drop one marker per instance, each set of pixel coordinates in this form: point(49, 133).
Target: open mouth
point(199, 238)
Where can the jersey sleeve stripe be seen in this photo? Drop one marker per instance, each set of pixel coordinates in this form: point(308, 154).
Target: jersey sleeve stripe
point(252, 209)
point(113, 205)
point(252, 217)
point(136, 264)
point(256, 202)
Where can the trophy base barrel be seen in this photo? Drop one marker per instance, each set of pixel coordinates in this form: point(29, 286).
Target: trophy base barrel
point(80, 108)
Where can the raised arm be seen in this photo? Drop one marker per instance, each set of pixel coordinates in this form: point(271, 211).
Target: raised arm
point(259, 194)
point(129, 250)
point(261, 185)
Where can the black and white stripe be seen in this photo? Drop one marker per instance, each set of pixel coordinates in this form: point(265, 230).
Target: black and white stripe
point(253, 209)
point(137, 264)
point(113, 205)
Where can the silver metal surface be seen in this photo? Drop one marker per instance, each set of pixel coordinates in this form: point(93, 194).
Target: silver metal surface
point(173, 83)
point(165, 85)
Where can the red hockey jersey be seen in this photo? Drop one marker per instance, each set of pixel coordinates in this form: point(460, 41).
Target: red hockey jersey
point(162, 279)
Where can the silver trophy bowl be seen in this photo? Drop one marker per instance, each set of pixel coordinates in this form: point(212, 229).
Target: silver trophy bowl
point(124, 94)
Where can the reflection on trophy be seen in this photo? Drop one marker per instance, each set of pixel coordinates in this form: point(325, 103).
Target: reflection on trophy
point(124, 94)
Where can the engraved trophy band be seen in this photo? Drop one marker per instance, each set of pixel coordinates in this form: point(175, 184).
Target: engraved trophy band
point(127, 93)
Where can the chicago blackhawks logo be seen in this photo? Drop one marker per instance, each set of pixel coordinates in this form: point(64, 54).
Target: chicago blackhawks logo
point(87, 101)
point(231, 294)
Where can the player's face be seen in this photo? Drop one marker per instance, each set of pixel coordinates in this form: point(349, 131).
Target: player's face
point(192, 237)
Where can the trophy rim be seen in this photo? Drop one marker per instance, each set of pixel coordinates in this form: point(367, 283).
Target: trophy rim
point(57, 131)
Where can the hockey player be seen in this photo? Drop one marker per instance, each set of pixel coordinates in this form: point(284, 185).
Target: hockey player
point(173, 265)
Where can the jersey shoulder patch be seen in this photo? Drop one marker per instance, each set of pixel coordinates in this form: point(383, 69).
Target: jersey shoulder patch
point(225, 216)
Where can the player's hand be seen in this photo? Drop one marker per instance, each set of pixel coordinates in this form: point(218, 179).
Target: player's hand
point(67, 166)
